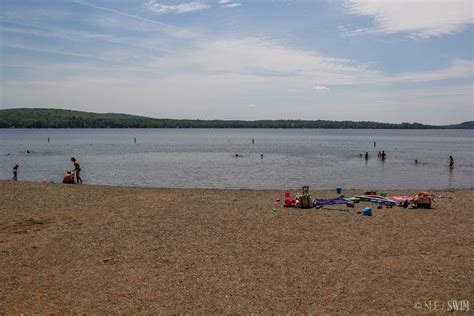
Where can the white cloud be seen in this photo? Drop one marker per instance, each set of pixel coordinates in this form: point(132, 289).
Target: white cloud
point(232, 5)
point(321, 89)
point(224, 1)
point(251, 105)
point(264, 58)
point(260, 58)
point(420, 18)
point(159, 8)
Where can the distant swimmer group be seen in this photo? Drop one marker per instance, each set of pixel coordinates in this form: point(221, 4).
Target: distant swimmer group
point(382, 155)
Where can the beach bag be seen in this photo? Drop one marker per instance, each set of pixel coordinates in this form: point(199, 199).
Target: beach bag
point(423, 200)
point(304, 201)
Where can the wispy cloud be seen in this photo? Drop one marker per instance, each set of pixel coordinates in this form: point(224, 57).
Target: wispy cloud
point(159, 8)
point(164, 27)
point(321, 89)
point(415, 17)
point(457, 70)
point(232, 5)
point(229, 4)
point(72, 35)
point(57, 52)
point(253, 58)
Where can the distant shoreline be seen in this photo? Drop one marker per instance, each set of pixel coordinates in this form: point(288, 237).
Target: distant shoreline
point(59, 118)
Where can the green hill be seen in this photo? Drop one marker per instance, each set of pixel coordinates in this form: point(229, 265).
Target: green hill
point(57, 118)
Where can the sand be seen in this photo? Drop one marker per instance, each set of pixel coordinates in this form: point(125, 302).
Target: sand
point(99, 249)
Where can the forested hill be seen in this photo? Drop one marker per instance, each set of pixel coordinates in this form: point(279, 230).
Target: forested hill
point(56, 118)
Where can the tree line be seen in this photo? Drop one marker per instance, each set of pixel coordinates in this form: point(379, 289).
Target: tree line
point(58, 118)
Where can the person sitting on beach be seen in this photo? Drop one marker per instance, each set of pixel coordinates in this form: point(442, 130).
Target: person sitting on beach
point(451, 162)
point(68, 178)
point(77, 170)
point(15, 172)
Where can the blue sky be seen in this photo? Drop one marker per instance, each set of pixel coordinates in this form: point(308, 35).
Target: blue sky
point(378, 60)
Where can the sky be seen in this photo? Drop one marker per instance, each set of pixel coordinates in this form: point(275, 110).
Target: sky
point(369, 60)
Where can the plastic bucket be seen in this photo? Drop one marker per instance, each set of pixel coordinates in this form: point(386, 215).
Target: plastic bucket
point(338, 190)
point(367, 211)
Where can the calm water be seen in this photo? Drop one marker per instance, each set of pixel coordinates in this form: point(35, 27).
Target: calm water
point(205, 158)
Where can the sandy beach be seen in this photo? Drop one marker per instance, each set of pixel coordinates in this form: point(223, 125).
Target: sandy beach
point(99, 249)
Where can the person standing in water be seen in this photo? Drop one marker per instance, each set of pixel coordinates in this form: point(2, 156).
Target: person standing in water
point(451, 162)
point(15, 172)
point(366, 155)
point(77, 170)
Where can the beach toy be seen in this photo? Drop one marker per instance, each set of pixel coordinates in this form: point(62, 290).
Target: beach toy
point(338, 190)
point(384, 194)
point(288, 202)
point(367, 211)
point(274, 210)
point(305, 189)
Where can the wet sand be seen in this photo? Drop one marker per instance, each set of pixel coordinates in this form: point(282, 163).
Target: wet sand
point(100, 249)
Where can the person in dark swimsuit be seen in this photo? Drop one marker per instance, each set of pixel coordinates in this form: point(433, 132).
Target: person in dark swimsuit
point(15, 172)
point(451, 162)
point(77, 170)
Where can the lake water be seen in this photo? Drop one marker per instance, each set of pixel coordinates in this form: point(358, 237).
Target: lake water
point(205, 158)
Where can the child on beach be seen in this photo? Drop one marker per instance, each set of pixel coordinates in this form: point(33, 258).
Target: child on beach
point(15, 172)
point(77, 170)
point(68, 177)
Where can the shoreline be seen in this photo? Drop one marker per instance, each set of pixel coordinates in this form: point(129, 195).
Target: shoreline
point(102, 249)
point(293, 190)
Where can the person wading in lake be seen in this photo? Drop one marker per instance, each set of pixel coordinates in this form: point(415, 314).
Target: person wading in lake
point(77, 170)
point(15, 172)
point(451, 162)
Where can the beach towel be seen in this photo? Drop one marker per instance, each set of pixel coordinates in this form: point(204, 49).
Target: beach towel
point(401, 198)
point(334, 201)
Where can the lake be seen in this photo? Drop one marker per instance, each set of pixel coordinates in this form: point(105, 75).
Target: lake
point(205, 158)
